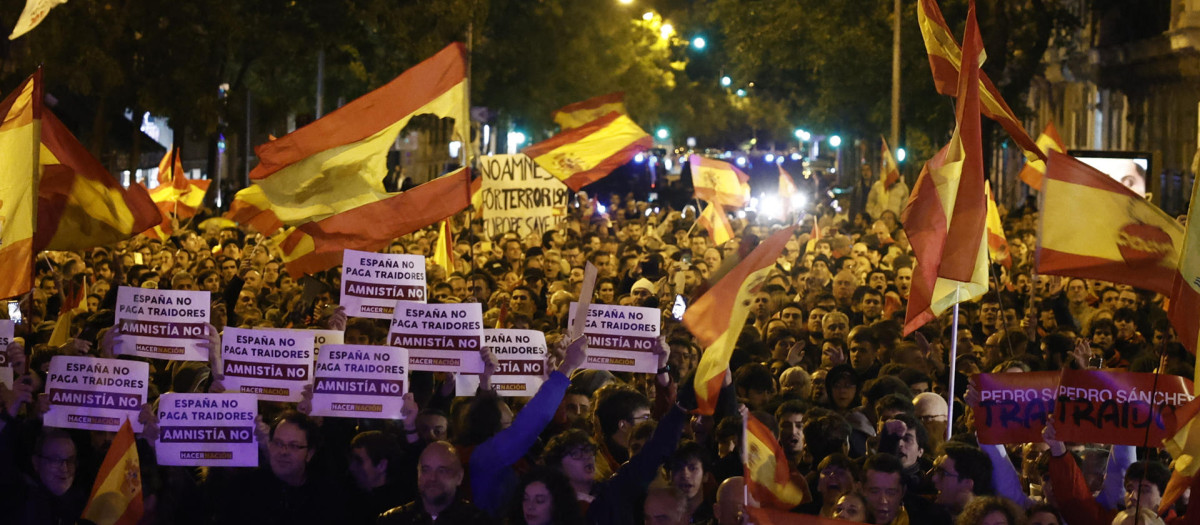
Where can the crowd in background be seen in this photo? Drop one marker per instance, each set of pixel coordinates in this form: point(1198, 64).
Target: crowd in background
point(860, 411)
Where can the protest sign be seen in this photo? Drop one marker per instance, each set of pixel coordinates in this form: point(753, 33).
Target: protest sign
point(7, 328)
point(621, 338)
point(321, 337)
point(1119, 408)
point(1013, 407)
point(162, 324)
point(93, 393)
point(207, 430)
point(360, 381)
point(522, 363)
point(6, 377)
point(439, 337)
point(274, 364)
point(373, 282)
point(519, 196)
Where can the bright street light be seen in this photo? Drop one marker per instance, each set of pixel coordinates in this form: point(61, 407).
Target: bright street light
point(835, 141)
point(726, 81)
point(666, 31)
point(770, 157)
point(639, 158)
point(648, 16)
point(741, 92)
point(699, 42)
point(662, 134)
point(901, 154)
point(624, 2)
point(803, 135)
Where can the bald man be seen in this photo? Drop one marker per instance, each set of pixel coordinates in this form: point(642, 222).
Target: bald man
point(665, 505)
point(730, 505)
point(931, 410)
point(439, 473)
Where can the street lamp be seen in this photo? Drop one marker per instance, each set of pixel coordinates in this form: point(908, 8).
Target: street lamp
point(741, 92)
point(803, 135)
point(699, 42)
point(835, 141)
point(901, 154)
point(662, 134)
point(666, 31)
point(648, 16)
point(726, 81)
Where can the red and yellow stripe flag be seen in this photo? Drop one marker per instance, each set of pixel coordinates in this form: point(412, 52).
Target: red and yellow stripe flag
point(117, 495)
point(317, 245)
point(946, 215)
point(717, 317)
point(176, 194)
point(1035, 169)
point(997, 242)
point(714, 219)
point(1126, 239)
point(787, 186)
point(719, 182)
point(80, 204)
point(443, 251)
point(585, 154)
point(338, 163)
point(889, 170)
point(20, 120)
point(1184, 311)
point(945, 59)
point(769, 477)
point(574, 115)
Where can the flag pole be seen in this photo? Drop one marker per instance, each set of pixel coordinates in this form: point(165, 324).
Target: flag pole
point(953, 363)
point(745, 485)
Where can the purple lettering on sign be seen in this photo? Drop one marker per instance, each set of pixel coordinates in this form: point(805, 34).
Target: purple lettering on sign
point(206, 434)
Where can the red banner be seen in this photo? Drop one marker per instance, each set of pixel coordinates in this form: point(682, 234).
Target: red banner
point(1013, 407)
point(1120, 408)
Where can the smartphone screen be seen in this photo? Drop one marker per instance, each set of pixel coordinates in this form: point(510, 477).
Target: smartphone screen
point(679, 308)
point(14, 312)
point(685, 255)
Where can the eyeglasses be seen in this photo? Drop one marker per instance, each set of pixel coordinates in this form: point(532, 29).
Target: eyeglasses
point(639, 419)
point(939, 472)
point(68, 462)
point(932, 418)
point(290, 447)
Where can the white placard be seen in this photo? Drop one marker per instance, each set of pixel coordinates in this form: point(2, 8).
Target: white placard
point(373, 282)
point(6, 377)
point(163, 324)
point(321, 337)
point(522, 363)
point(621, 338)
point(360, 381)
point(7, 329)
point(272, 364)
point(207, 430)
point(519, 196)
point(93, 393)
point(439, 337)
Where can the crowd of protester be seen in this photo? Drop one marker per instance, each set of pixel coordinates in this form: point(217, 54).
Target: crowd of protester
point(860, 411)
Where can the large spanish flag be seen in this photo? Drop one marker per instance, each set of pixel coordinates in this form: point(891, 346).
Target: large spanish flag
point(317, 245)
point(719, 182)
point(1035, 169)
point(176, 195)
point(946, 215)
point(338, 163)
point(577, 114)
point(21, 114)
point(1184, 310)
point(585, 154)
point(80, 204)
point(997, 242)
point(946, 60)
point(714, 219)
point(769, 477)
point(117, 495)
point(1094, 227)
point(718, 316)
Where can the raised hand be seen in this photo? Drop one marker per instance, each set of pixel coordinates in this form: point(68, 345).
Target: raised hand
point(575, 357)
point(337, 320)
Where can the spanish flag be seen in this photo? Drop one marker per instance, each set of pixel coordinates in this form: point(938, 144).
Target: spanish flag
point(338, 163)
point(769, 477)
point(714, 219)
point(574, 115)
point(35, 11)
point(997, 242)
point(21, 112)
point(317, 245)
point(1035, 169)
point(1094, 227)
point(443, 252)
point(946, 58)
point(718, 316)
point(946, 215)
point(1184, 310)
point(117, 495)
point(719, 182)
point(176, 195)
point(787, 187)
point(889, 172)
point(585, 154)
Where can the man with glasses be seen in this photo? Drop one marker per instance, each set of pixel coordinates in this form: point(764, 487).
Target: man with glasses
point(618, 410)
point(960, 474)
point(51, 497)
